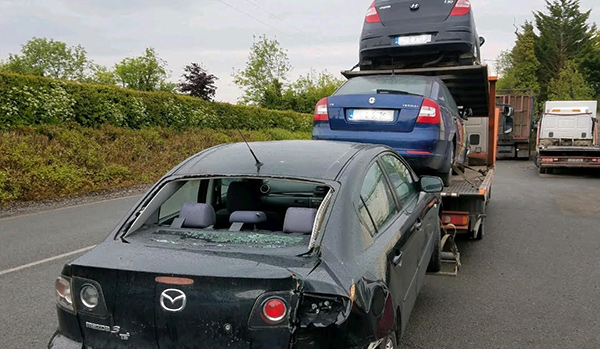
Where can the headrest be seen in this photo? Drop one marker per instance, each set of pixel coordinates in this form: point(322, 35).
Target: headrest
point(197, 215)
point(250, 217)
point(243, 196)
point(299, 220)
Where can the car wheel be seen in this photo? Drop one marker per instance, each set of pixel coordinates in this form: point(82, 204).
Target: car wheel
point(389, 342)
point(447, 176)
point(435, 263)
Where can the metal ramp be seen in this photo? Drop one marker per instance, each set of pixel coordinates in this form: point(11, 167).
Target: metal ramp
point(468, 85)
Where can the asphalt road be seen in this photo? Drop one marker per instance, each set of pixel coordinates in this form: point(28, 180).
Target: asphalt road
point(532, 282)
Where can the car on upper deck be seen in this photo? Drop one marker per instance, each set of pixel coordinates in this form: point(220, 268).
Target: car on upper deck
point(313, 245)
point(419, 33)
point(415, 115)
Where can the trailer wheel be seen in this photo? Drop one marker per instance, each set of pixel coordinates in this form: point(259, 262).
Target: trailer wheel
point(480, 232)
point(435, 263)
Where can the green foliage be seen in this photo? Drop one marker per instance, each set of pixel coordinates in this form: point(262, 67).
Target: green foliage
point(52, 161)
point(569, 85)
point(30, 100)
point(46, 57)
point(267, 68)
point(521, 64)
point(564, 35)
point(143, 73)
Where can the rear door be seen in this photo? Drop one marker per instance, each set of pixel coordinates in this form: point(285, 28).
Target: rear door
point(398, 12)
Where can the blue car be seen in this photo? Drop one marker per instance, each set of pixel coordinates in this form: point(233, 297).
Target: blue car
point(415, 115)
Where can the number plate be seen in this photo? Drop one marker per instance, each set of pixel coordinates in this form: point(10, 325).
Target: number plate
point(377, 115)
point(412, 40)
point(575, 160)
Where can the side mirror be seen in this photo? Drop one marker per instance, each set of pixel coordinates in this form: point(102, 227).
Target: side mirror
point(465, 113)
point(431, 184)
point(508, 111)
point(481, 41)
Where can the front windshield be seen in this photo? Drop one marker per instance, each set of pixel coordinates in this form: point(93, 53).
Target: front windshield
point(232, 212)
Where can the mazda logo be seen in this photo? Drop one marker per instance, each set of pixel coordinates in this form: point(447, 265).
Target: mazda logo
point(173, 300)
point(372, 100)
point(415, 6)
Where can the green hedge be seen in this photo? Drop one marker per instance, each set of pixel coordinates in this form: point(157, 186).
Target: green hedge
point(50, 161)
point(32, 100)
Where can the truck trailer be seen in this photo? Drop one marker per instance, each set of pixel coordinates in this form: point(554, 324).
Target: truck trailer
point(514, 131)
point(567, 136)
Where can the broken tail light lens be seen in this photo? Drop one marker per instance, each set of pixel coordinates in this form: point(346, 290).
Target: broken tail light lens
point(64, 298)
point(323, 310)
point(274, 310)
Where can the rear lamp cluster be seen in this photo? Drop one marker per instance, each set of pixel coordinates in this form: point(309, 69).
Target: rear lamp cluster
point(89, 296)
point(64, 298)
point(274, 310)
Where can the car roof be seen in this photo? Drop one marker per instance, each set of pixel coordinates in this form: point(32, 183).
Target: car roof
point(294, 159)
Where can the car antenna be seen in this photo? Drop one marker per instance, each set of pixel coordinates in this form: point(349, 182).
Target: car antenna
point(258, 163)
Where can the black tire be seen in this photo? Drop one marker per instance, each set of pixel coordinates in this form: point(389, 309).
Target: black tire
point(435, 263)
point(390, 342)
point(447, 176)
point(480, 231)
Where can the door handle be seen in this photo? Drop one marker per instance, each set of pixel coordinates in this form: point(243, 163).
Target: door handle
point(397, 259)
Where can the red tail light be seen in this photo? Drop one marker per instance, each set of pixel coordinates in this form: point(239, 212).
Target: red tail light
point(429, 113)
point(321, 111)
point(461, 8)
point(274, 310)
point(372, 15)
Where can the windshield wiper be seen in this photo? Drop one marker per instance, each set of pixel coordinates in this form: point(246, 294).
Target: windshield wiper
point(396, 92)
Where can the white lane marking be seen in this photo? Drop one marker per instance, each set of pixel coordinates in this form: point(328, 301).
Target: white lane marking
point(69, 207)
point(45, 260)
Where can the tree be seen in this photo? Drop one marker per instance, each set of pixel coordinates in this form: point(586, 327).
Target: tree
point(521, 64)
point(564, 35)
point(267, 66)
point(46, 57)
point(143, 73)
point(570, 84)
point(310, 88)
point(102, 75)
point(198, 82)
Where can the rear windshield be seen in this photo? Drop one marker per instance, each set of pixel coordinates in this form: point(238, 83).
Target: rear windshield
point(232, 212)
point(397, 84)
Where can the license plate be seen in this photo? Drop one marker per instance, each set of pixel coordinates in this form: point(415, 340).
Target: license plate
point(504, 149)
point(377, 115)
point(412, 40)
point(575, 160)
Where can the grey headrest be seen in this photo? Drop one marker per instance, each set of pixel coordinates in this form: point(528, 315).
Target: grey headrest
point(250, 217)
point(299, 220)
point(197, 215)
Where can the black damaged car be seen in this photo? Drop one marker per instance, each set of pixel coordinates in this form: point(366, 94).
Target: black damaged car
point(418, 34)
point(313, 244)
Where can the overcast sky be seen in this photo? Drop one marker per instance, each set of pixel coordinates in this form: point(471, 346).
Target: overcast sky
point(318, 34)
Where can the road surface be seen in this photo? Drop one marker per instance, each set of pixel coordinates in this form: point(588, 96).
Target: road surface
point(532, 282)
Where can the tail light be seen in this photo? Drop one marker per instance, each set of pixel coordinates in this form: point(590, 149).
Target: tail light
point(372, 15)
point(274, 310)
point(429, 113)
point(461, 8)
point(321, 111)
point(64, 298)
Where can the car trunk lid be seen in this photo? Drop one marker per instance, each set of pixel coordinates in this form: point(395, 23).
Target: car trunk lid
point(374, 112)
point(394, 13)
point(167, 298)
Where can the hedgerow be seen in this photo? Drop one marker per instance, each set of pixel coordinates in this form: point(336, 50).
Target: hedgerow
point(50, 161)
point(33, 100)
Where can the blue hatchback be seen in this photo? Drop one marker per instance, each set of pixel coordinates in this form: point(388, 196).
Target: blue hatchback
point(415, 115)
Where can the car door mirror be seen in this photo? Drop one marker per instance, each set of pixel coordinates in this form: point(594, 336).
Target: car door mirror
point(481, 41)
point(465, 113)
point(431, 184)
